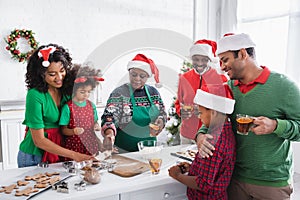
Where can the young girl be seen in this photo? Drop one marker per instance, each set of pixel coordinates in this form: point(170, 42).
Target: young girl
point(79, 115)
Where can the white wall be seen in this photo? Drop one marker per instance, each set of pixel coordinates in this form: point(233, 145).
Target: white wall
point(81, 26)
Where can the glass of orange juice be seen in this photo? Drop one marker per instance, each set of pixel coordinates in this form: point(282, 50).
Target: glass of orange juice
point(155, 164)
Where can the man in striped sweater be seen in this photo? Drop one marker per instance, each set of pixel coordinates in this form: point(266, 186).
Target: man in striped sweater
point(263, 168)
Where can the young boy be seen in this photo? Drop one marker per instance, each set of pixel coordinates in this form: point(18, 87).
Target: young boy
point(208, 178)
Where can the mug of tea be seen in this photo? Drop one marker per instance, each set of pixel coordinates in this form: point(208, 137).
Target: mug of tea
point(244, 123)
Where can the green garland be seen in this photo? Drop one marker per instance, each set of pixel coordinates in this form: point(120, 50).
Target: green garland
point(187, 66)
point(174, 127)
point(12, 44)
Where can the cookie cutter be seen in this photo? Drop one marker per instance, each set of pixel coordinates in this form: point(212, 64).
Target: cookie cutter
point(68, 164)
point(43, 164)
point(80, 186)
point(61, 187)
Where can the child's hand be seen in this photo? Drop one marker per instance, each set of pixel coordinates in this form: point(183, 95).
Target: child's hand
point(175, 171)
point(184, 167)
point(97, 127)
point(78, 130)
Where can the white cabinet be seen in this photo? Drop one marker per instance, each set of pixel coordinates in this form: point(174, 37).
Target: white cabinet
point(174, 191)
point(113, 197)
point(12, 133)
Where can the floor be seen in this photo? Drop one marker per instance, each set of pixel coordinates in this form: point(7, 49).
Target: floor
point(296, 192)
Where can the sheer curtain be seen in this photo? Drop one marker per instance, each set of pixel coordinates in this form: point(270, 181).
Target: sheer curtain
point(274, 26)
point(293, 44)
point(215, 18)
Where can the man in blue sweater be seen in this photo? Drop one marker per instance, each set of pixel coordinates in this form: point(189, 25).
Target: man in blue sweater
point(263, 168)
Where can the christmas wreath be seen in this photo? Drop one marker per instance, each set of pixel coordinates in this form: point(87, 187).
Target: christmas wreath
point(12, 44)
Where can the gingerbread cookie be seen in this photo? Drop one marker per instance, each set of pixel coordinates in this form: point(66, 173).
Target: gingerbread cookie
point(22, 183)
point(43, 180)
point(54, 180)
point(8, 189)
point(26, 192)
point(34, 177)
point(51, 174)
point(40, 185)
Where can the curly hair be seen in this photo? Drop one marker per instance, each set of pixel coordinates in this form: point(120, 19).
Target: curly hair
point(82, 71)
point(35, 75)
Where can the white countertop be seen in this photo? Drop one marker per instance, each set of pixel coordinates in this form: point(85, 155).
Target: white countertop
point(110, 184)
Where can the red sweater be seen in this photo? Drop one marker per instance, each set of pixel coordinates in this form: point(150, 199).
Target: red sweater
point(188, 84)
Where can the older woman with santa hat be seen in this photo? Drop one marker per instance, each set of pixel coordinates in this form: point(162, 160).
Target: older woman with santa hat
point(135, 110)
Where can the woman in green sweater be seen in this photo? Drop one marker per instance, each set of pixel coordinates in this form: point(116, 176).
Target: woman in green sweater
point(263, 168)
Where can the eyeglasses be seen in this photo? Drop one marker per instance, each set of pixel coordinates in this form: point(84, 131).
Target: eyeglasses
point(134, 75)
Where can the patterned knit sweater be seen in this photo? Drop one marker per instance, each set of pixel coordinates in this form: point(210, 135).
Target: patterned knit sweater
point(118, 110)
point(267, 159)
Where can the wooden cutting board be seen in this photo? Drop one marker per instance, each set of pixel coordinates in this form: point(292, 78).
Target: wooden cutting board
point(128, 167)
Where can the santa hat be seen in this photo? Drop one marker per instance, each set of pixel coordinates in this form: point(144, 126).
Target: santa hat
point(205, 48)
point(233, 42)
point(45, 53)
point(216, 97)
point(140, 61)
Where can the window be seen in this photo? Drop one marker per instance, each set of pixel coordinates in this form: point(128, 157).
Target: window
point(268, 24)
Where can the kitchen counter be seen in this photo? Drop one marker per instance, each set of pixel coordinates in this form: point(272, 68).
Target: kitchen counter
point(143, 186)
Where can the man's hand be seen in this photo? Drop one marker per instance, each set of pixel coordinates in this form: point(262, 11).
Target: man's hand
point(205, 148)
point(263, 125)
point(185, 113)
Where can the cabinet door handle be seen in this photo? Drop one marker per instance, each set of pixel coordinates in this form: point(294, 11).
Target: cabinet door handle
point(166, 195)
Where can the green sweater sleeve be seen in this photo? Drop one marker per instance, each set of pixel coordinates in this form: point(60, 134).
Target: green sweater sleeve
point(95, 112)
point(289, 128)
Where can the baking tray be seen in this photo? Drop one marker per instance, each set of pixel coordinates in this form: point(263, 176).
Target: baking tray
point(187, 153)
point(13, 180)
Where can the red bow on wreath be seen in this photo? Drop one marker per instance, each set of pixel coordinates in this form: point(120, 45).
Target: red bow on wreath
point(83, 79)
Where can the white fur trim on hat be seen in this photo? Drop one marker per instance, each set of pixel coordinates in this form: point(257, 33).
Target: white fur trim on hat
point(234, 42)
point(140, 65)
point(204, 50)
point(214, 102)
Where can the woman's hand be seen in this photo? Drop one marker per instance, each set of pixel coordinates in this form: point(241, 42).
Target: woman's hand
point(97, 127)
point(79, 157)
point(157, 127)
point(108, 131)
